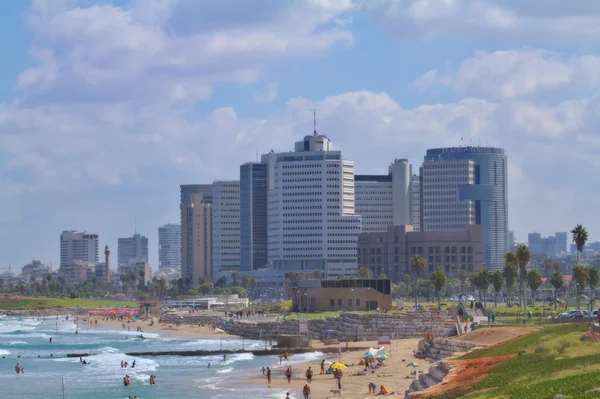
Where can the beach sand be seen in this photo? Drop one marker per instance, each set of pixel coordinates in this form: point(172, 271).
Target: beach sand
point(183, 330)
point(394, 374)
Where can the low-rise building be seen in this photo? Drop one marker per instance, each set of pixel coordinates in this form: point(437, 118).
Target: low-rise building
point(135, 267)
point(75, 273)
point(35, 269)
point(389, 253)
point(351, 294)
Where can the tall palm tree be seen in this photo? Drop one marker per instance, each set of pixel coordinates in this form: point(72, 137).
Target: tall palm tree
point(580, 275)
point(547, 267)
point(556, 266)
point(534, 280)
point(438, 279)
point(496, 280)
point(463, 277)
point(523, 258)
point(417, 263)
point(580, 237)
point(557, 280)
point(510, 273)
point(593, 280)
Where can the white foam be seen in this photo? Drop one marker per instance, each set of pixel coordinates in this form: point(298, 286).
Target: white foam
point(4, 352)
point(17, 343)
point(225, 371)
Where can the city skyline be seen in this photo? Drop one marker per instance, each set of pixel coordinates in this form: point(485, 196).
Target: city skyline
point(385, 85)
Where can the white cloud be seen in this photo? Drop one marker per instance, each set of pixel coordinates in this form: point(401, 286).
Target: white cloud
point(508, 20)
point(166, 50)
point(268, 95)
point(517, 74)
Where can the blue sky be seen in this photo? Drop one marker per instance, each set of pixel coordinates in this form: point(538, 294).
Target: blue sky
point(106, 107)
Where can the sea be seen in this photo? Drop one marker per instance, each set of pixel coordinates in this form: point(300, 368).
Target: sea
point(25, 340)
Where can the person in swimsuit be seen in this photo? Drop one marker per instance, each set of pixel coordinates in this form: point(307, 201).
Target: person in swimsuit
point(268, 375)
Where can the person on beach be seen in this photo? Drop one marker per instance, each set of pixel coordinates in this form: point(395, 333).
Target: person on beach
point(309, 374)
point(287, 395)
point(322, 367)
point(152, 382)
point(263, 370)
point(383, 391)
point(122, 364)
point(133, 365)
point(18, 368)
point(306, 391)
point(50, 339)
point(209, 366)
point(126, 381)
point(224, 358)
point(372, 387)
point(268, 375)
point(288, 374)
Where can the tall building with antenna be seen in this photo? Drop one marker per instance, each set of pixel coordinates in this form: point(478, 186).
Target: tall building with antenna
point(312, 225)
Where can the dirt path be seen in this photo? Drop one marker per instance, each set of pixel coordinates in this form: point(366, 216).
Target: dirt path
point(495, 335)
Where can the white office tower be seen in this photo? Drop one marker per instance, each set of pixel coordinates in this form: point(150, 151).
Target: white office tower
point(78, 246)
point(416, 202)
point(385, 200)
point(225, 227)
point(311, 220)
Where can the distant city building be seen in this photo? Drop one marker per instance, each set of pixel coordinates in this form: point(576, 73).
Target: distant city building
point(196, 232)
point(169, 246)
point(253, 216)
point(225, 227)
point(463, 186)
point(416, 202)
point(551, 246)
point(77, 272)
point(136, 267)
point(389, 253)
point(78, 246)
point(35, 269)
point(384, 200)
point(168, 274)
point(510, 240)
point(311, 220)
point(129, 248)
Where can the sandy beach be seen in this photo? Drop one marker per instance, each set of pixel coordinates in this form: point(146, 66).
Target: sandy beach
point(394, 374)
point(183, 330)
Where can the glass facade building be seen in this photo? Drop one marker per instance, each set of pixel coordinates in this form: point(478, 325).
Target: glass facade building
point(467, 185)
point(253, 216)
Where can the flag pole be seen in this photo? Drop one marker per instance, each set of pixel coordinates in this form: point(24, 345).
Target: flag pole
point(63, 387)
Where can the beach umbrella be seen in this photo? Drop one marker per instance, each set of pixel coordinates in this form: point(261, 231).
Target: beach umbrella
point(338, 365)
point(412, 365)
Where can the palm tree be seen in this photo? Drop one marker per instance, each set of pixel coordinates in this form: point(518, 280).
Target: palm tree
point(580, 237)
point(510, 272)
point(417, 263)
point(580, 275)
point(556, 265)
point(484, 283)
point(252, 285)
point(593, 280)
point(523, 258)
point(534, 280)
point(364, 272)
point(317, 274)
point(496, 280)
point(547, 267)
point(438, 279)
point(245, 281)
point(557, 280)
point(234, 278)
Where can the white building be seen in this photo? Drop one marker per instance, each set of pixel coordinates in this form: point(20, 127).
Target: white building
point(169, 246)
point(35, 269)
point(78, 246)
point(225, 227)
point(311, 220)
point(135, 267)
point(385, 200)
point(416, 203)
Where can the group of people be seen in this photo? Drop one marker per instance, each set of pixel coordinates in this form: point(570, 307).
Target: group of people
point(19, 369)
point(83, 361)
point(382, 389)
point(124, 364)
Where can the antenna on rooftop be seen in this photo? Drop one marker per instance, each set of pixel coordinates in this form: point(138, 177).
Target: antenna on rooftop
point(314, 111)
point(461, 141)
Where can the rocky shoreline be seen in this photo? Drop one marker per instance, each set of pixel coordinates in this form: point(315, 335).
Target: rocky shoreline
point(45, 312)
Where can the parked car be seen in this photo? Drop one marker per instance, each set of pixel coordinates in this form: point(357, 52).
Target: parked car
point(569, 314)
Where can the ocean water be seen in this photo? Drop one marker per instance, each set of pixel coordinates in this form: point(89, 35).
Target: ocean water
point(177, 377)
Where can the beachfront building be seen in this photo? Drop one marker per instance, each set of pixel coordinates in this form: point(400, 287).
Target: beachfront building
point(463, 186)
point(129, 248)
point(169, 246)
point(225, 228)
point(385, 200)
point(253, 216)
point(36, 270)
point(311, 221)
point(78, 246)
point(196, 235)
point(389, 253)
point(348, 294)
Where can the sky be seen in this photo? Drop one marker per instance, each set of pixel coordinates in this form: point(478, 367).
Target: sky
point(107, 107)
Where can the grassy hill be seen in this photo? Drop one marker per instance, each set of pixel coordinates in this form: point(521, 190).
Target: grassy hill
point(47, 303)
point(555, 360)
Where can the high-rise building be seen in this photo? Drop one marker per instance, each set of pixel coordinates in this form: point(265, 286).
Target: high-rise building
point(511, 240)
point(169, 246)
point(253, 216)
point(561, 242)
point(536, 244)
point(383, 200)
point(225, 227)
point(80, 246)
point(196, 235)
point(132, 248)
point(416, 202)
point(311, 221)
point(461, 186)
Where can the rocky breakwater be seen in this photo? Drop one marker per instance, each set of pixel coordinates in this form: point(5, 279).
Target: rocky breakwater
point(45, 312)
point(261, 329)
point(400, 325)
point(441, 348)
point(195, 320)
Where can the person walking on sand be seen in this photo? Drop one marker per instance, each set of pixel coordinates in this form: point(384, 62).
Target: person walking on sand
point(309, 374)
point(268, 375)
point(288, 374)
point(322, 367)
point(306, 391)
